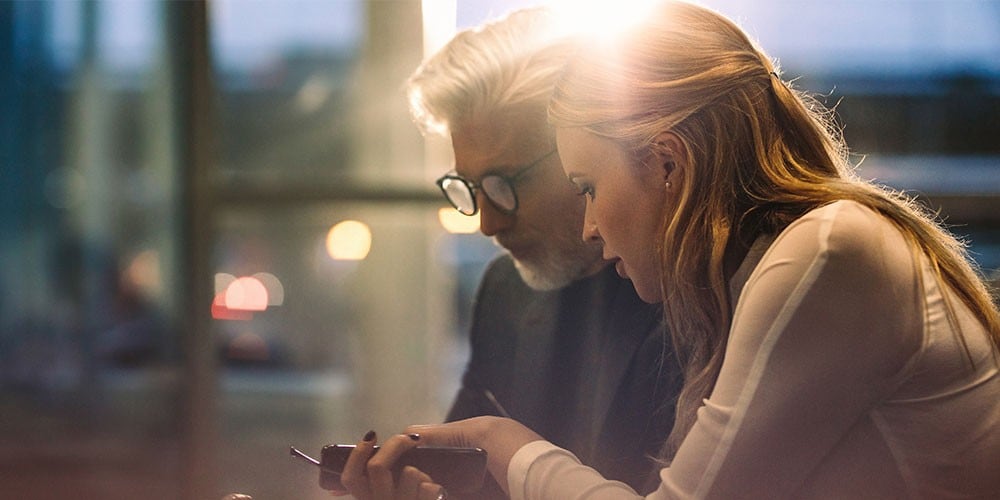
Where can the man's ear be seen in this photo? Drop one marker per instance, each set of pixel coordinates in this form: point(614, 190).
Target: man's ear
point(671, 156)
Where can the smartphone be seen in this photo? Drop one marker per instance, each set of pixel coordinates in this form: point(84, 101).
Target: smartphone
point(459, 470)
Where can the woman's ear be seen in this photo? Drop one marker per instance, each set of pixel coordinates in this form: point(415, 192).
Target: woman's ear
point(671, 156)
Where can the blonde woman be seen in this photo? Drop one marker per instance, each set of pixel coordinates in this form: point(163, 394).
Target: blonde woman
point(836, 342)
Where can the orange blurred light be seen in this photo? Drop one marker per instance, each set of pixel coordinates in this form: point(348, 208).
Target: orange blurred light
point(143, 273)
point(349, 240)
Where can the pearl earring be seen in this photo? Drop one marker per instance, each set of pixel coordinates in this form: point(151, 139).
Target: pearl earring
point(667, 184)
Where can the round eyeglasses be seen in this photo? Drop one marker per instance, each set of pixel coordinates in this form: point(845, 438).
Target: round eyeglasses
point(499, 189)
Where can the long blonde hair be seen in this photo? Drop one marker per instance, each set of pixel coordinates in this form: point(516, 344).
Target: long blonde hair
point(760, 154)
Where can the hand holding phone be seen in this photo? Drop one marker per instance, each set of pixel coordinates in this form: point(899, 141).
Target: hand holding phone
point(459, 470)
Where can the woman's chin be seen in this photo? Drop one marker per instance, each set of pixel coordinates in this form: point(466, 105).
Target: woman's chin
point(650, 294)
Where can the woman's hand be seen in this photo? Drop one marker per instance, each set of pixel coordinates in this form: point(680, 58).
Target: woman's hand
point(500, 437)
point(369, 477)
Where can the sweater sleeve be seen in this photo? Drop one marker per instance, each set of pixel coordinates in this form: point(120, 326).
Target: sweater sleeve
point(557, 473)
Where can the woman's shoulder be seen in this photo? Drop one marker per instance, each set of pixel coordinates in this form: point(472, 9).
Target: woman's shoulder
point(850, 229)
point(849, 219)
point(847, 213)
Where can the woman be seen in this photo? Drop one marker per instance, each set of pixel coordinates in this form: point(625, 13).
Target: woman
point(836, 341)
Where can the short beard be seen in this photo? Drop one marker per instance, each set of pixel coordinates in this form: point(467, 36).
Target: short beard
point(554, 269)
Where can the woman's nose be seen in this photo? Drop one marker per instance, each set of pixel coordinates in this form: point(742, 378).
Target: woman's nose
point(590, 232)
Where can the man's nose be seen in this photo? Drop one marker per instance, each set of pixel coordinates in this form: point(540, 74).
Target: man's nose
point(491, 220)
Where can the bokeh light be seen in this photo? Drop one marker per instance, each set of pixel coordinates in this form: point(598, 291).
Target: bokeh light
point(238, 298)
point(349, 240)
point(222, 281)
point(275, 290)
point(221, 312)
point(143, 274)
point(246, 294)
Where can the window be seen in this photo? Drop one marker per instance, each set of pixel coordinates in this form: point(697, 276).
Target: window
point(317, 332)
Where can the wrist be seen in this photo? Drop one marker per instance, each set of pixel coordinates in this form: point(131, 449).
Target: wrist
point(502, 438)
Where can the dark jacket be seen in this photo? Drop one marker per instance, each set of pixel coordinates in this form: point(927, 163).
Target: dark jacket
point(587, 366)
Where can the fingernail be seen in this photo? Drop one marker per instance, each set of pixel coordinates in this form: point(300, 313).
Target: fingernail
point(415, 437)
point(369, 436)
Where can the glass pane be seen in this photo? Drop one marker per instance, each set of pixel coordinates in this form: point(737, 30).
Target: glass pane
point(302, 84)
point(916, 85)
point(313, 130)
point(311, 115)
point(282, 72)
point(89, 377)
point(365, 331)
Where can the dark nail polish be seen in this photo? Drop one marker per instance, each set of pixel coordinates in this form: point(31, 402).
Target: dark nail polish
point(369, 436)
point(415, 437)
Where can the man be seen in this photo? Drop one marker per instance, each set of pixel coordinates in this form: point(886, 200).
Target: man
point(559, 341)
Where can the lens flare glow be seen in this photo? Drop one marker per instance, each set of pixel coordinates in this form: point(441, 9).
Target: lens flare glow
point(439, 18)
point(600, 18)
point(349, 240)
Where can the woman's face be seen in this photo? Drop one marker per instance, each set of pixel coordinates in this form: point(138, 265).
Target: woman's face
point(624, 205)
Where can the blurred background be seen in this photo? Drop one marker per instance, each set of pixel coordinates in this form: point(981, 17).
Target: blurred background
point(220, 235)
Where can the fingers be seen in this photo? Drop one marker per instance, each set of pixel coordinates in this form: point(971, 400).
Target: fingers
point(369, 476)
point(410, 482)
point(353, 477)
point(414, 483)
point(380, 478)
point(431, 491)
point(467, 433)
point(438, 434)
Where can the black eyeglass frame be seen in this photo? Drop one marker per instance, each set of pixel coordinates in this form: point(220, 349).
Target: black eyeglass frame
point(474, 186)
